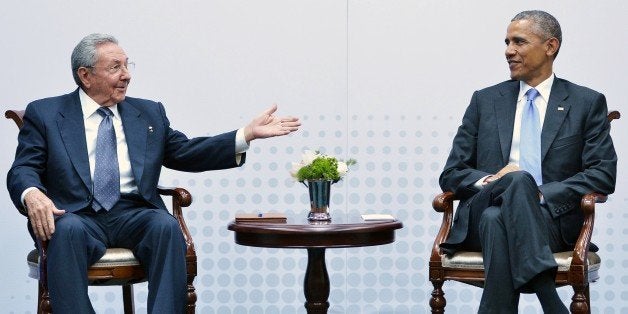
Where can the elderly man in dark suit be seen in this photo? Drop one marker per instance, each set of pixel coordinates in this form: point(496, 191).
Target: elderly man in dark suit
point(86, 172)
point(526, 152)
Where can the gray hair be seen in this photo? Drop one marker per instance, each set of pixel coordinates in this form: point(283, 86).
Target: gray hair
point(84, 54)
point(543, 24)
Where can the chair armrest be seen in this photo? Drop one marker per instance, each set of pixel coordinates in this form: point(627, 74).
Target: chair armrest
point(180, 198)
point(442, 203)
point(581, 250)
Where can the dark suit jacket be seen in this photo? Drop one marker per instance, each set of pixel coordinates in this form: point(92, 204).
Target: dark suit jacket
point(578, 156)
point(52, 151)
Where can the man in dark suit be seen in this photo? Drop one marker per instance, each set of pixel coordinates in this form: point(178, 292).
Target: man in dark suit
point(86, 172)
point(528, 149)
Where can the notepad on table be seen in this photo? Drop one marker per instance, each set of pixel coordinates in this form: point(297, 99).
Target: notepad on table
point(261, 217)
point(378, 217)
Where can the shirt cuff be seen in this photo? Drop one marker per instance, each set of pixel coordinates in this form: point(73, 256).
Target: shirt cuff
point(480, 183)
point(241, 145)
point(24, 195)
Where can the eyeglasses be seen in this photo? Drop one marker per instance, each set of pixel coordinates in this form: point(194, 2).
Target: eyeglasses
point(117, 68)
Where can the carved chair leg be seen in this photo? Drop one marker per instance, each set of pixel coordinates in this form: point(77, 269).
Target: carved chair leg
point(190, 307)
point(127, 297)
point(579, 301)
point(191, 298)
point(39, 298)
point(44, 306)
point(43, 301)
point(438, 302)
point(40, 294)
point(586, 294)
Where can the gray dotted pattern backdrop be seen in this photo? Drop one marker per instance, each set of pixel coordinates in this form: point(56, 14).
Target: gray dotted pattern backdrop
point(385, 82)
point(389, 178)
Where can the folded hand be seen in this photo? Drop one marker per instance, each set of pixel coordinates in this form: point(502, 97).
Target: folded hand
point(509, 168)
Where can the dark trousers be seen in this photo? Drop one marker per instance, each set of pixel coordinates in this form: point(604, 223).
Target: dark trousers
point(516, 236)
point(81, 238)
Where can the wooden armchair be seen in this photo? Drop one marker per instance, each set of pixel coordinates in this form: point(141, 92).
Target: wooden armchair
point(576, 268)
point(118, 266)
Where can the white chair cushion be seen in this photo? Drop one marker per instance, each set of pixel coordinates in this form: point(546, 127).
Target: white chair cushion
point(112, 257)
point(473, 260)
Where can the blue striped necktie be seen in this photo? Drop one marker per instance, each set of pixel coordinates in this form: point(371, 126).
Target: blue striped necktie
point(530, 141)
point(106, 171)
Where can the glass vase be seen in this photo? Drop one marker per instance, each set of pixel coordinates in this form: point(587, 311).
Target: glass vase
point(319, 191)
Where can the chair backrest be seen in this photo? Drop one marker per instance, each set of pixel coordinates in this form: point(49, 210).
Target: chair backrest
point(17, 116)
point(613, 115)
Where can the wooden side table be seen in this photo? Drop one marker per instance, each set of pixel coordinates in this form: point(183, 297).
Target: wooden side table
point(315, 237)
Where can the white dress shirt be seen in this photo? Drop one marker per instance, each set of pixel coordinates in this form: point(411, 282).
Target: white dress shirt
point(544, 89)
point(92, 120)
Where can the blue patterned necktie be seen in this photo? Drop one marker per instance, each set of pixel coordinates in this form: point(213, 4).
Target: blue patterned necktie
point(530, 141)
point(106, 171)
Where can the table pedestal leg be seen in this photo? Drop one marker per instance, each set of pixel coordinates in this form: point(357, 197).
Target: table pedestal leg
point(316, 283)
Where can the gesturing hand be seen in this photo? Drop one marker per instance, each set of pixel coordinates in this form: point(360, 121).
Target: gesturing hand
point(268, 125)
point(41, 212)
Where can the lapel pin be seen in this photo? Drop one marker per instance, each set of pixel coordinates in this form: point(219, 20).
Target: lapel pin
point(150, 129)
point(561, 108)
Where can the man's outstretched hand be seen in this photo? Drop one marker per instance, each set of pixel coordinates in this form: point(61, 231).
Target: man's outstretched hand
point(268, 125)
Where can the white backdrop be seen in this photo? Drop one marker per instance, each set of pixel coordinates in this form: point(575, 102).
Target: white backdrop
point(385, 82)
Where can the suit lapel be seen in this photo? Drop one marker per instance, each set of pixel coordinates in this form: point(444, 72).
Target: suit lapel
point(135, 131)
point(505, 108)
point(557, 110)
point(72, 129)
